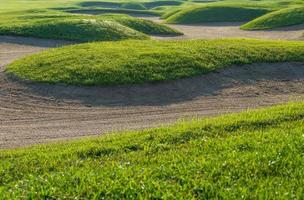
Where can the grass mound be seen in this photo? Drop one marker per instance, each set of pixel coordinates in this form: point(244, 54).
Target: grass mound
point(253, 155)
point(218, 13)
point(134, 6)
point(144, 26)
point(128, 62)
point(280, 18)
point(82, 28)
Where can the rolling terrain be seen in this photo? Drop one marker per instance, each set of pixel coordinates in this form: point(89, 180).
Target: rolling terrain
point(34, 113)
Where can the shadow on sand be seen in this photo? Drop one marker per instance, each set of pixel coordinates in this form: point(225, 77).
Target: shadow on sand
point(177, 91)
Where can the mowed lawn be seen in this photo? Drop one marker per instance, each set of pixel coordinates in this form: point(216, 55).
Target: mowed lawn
point(252, 155)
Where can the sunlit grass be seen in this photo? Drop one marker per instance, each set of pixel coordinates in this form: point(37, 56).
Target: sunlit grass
point(253, 155)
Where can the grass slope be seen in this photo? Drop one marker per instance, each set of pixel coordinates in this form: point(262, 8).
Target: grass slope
point(142, 25)
point(218, 13)
point(253, 155)
point(82, 28)
point(128, 62)
point(280, 18)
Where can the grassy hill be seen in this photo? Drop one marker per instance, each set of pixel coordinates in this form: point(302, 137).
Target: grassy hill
point(129, 62)
point(253, 155)
point(216, 13)
point(80, 28)
point(280, 18)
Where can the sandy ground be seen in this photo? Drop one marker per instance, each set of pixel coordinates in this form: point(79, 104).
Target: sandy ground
point(230, 30)
point(38, 113)
point(218, 30)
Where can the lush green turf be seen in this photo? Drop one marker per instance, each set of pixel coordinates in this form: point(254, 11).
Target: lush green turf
point(253, 155)
point(112, 63)
point(199, 14)
point(280, 18)
point(56, 25)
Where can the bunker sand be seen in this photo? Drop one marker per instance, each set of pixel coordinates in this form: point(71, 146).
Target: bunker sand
point(32, 113)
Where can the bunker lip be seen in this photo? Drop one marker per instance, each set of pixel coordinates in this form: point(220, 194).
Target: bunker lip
point(39, 113)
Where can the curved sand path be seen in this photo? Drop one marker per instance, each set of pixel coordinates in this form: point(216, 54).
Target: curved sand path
point(36, 113)
point(229, 30)
point(216, 30)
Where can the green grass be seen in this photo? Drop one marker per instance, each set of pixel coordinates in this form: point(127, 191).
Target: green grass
point(218, 13)
point(253, 155)
point(130, 62)
point(144, 26)
point(134, 6)
point(80, 28)
point(280, 18)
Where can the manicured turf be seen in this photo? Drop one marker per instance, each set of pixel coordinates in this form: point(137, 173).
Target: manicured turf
point(216, 13)
point(80, 28)
point(128, 62)
point(253, 155)
point(280, 18)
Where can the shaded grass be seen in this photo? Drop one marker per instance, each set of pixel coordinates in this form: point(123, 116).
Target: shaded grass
point(134, 5)
point(280, 18)
point(130, 62)
point(253, 155)
point(216, 13)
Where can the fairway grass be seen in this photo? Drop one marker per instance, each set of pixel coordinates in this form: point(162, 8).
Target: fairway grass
point(253, 155)
point(135, 62)
point(280, 18)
